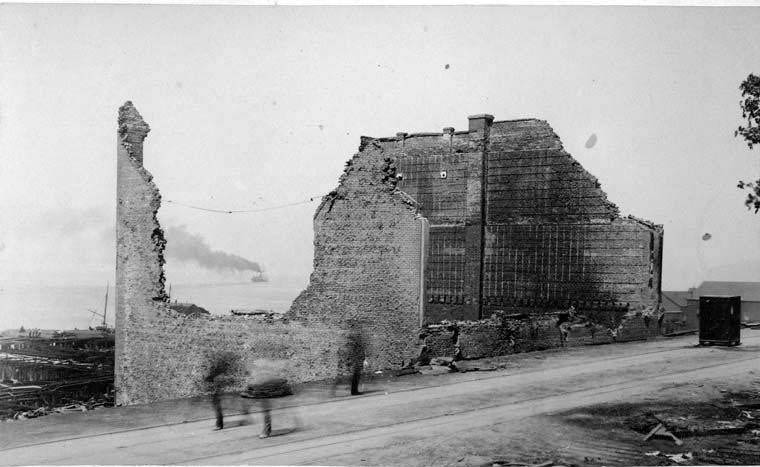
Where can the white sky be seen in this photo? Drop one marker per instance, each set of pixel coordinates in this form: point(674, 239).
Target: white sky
point(259, 106)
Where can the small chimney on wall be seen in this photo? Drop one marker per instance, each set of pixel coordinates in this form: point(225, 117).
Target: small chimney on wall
point(480, 122)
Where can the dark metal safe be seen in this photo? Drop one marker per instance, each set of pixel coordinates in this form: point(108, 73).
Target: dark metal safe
point(720, 320)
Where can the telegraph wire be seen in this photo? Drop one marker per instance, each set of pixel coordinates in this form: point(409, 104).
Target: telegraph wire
point(242, 211)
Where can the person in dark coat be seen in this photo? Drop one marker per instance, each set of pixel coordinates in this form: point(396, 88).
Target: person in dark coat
point(356, 356)
point(218, 377)
point(351, 358)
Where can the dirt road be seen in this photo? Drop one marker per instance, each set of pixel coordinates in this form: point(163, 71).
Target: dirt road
point(461, 420)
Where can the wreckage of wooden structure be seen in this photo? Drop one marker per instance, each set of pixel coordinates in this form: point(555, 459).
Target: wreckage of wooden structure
point(86, 393)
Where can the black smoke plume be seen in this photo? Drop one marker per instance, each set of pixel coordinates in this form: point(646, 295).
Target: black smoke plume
point(185, 246)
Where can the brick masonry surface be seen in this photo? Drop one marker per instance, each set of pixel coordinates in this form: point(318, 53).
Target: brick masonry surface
point(504, 334)
point(368, 260)
point(168, 354)
point(368, 268)
point(520, 228)
point(518, 225)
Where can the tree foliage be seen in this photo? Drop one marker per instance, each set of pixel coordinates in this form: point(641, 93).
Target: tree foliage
point(750, 106)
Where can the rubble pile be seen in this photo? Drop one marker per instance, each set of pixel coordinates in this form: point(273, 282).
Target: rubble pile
point(509, 463)
point(727, 431)
point(106, 400)
point(25, 402)
point(731, 417)
point(79, 406)
point(444, 365)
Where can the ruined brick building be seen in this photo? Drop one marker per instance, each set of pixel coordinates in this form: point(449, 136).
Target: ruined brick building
point(465, 244)
point(516, 226)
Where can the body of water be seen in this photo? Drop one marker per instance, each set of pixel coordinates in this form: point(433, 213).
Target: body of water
point(66, 307)
point(221, 298)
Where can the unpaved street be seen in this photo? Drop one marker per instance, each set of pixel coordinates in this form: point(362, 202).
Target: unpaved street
point(461, 419)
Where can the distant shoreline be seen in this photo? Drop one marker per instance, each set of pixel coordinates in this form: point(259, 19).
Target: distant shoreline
point(44, 306)
point(281, 280)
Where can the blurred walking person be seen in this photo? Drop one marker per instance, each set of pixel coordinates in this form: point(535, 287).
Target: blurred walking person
point(218, 377)
point(355, 355)
point(264, 386)
point(266, 407)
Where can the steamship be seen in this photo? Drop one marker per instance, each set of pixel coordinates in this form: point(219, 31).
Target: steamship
point(259, 276)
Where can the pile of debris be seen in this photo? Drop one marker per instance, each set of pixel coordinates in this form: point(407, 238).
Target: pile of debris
point(731, 417)
point(24, 402)
point(508, 463)
point(189, 309)
point(78, 406)
point(260, 315)
point(91, 404)
point(734, 425)
point(444, 365)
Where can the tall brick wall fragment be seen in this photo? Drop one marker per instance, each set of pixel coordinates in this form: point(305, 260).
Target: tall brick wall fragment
point(139, 245)
point(368, 259)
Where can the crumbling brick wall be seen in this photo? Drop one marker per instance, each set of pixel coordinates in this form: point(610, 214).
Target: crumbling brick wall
point(368, 247)
point(552, 238)
point(162, 354)
point(169, 353)
point(369, 242)
point(504, 334)
point(517, 225)
point(139, 242)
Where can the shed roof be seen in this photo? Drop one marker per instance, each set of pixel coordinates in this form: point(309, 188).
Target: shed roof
point(749, 291)
point(675, 300)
